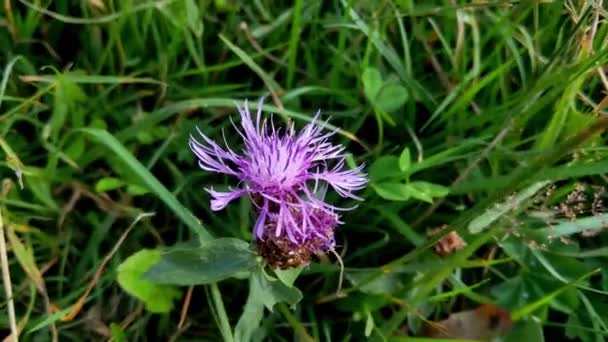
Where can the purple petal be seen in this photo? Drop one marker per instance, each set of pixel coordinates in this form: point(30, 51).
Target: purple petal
point(213, 158)
point(251, 133)
point(344, 182)
point(221, 199)
point(258, 229)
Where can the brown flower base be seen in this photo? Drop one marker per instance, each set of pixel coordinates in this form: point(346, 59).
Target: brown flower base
point(280, 252)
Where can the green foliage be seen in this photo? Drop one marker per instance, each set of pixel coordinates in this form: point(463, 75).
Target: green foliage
point(528, 331)
point(208, 263)
point(147, 179)
point(264, 292)
point(386, 175)
point(157, 298)
point(484, 118)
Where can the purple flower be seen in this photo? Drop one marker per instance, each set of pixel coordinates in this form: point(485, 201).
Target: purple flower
point(281, 171)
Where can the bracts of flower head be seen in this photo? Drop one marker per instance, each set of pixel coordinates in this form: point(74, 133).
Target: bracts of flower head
point(281, 170)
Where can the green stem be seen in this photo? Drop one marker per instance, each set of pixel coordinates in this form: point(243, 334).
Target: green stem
point(223, 322)
point(295, 324)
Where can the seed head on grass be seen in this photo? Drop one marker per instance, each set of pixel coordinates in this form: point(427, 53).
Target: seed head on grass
point(281, 171)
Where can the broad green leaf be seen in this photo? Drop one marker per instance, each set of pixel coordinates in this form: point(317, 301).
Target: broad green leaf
point(405, 160)
point(289, 276)
point(385, 167)
point(392, 191)
point(108, 183)
point(250, 319)
point(435, 190)
point(208, 263)
point(136, 190)
point(419, 194)
point(157, 298)
point(512, 293)
point(372, 83)
point(526, 331)
point(426, 191)
point(272, 291)
point(263, 292)
point(391, 97)
point(148, 179)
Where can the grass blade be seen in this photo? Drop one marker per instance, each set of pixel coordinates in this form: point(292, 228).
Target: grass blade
point(109, 141)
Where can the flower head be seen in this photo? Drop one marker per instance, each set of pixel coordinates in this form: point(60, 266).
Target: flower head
point(281, 170)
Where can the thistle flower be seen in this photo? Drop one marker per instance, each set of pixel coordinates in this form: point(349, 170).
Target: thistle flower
point(281, 172)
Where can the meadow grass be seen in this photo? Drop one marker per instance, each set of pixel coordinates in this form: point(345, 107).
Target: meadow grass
point(482, 117)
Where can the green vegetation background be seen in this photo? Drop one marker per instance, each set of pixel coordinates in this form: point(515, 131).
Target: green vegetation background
point(485, 116)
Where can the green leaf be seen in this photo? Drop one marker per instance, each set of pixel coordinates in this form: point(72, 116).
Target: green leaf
point(193, 18)
point(369, 324)
point(385, 167)
point(288, 276)
point(146, 177)
point(66, 95)
point(272, 291)
point(226, 5)
point(372, 83)
point(117, 334)
point(264, 291)
point(208, 263)
point(76, 148)
point(98, 123)
point(526, 331)
point(418, 194)
point(426, 191)
point(392, 191)
point(136, 190)
point(391, 97)
point(108, 183)
point(40, 186)
point(250, 319)
point(157, 298)
point(405, 160)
